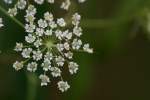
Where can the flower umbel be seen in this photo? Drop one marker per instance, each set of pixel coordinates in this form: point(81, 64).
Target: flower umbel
point(49, 44)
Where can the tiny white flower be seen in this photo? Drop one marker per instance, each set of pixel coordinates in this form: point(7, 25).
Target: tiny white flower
point(73, 67)
point(32, 67)
point(18, 65)
point(18, 47)
point(52, 24)
point(30, 28)
point(66, 46)
point(42, 23)
point(87, 48)
point(48, 16)
point(48, 32)
point(65, 5)
point(46, 65)
point(67, 34)
point(12, 12)
point(31, 10)
point(56, 72)
point(39, 31)
point(77, 31)
point(60, 47)
point(76, 44)
point(37, 55)
point(76, 19)
point(69, 55)
point(30, 38)
point(44, 80)
point(63, 86)
point(59, 34)
point(38, 43)
point(21, 4)
point(26, 52)
point(30, 18)
point(48, 56)
point(61, 22)
point(60, 61)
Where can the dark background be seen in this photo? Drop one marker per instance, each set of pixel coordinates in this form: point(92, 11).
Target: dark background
point(118, 70)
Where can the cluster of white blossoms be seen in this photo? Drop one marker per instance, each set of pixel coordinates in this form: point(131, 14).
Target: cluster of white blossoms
point(21, 4)
point(49, 45)
point(1, 22)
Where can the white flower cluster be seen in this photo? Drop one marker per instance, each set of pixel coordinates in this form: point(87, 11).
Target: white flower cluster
point(1, 22)
point(21, 4)
point(49, 45)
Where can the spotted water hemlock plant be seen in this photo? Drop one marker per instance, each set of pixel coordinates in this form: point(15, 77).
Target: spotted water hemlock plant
point(49, 43)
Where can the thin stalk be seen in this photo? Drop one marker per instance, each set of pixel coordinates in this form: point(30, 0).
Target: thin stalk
point(12, 18)
point(32, 85)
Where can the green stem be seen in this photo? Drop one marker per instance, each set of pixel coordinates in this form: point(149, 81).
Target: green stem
point(32, 85)
point(13, 18)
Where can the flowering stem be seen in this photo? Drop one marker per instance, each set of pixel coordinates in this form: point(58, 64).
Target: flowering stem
point(13, 18)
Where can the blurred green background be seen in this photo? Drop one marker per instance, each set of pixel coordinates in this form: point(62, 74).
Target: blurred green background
point(118, 70)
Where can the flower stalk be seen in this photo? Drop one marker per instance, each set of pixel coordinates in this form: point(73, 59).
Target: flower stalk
point(32, 84)
point(12, 18)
